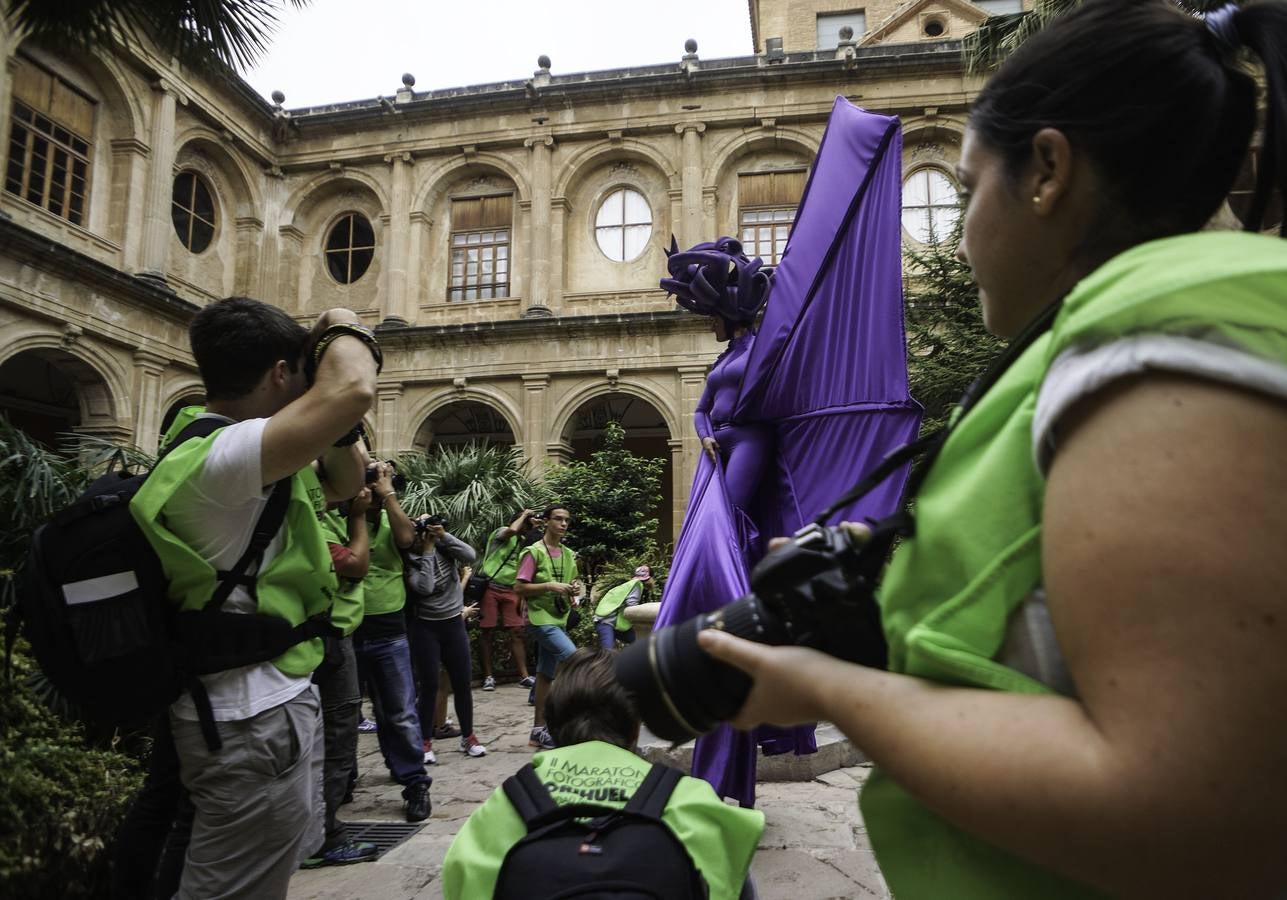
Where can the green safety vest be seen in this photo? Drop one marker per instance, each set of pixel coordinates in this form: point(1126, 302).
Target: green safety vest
point(541, 608)
point(614, 601)
point(296, 584)
point(719, 838)
point(949, 591)
point(347, 613)
point(501, 565)
point(383, 588)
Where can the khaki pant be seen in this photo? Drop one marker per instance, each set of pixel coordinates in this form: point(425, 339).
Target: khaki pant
point(258, 801)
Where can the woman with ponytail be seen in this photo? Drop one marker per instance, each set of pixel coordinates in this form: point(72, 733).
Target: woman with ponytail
point(1088, 630)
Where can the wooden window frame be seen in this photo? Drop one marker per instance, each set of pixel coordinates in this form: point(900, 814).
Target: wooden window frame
point(484, 225)
point(28, 127)
point(348, 249)
point(190, 211)
point(776, 204)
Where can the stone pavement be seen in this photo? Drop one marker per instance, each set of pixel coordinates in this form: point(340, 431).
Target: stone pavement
point(814, 846)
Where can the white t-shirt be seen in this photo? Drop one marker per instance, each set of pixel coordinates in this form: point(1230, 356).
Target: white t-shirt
point(215, 513)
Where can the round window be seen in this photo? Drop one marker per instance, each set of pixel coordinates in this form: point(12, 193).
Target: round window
point(193, 211)
point(931, 206)
point(350, 247)
point(623, 224)
point(934, 28)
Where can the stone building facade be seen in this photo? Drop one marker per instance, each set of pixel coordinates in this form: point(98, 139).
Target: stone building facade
point(506, 239)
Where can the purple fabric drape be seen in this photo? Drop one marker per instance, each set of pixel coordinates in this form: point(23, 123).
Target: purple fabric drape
point(827, 377)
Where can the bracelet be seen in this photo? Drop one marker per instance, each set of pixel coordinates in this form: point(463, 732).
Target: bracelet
point(351, 437)
point(339, 329)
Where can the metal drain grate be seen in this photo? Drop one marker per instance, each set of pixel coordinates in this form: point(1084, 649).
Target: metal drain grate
point(385, 835)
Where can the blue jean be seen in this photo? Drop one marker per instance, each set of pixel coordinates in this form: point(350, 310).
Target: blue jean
point(385, 667)
point(445, 643)
point(552, 647)
point(608, 635)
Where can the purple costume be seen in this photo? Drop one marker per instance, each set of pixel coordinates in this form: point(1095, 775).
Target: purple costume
point(805, 407)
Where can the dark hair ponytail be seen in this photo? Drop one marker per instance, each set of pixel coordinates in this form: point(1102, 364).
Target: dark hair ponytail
point(1156, 98)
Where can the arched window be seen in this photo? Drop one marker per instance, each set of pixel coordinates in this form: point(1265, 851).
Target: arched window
point(931, 205)
point(623, 224)
point(350, 247)
point(193, 211)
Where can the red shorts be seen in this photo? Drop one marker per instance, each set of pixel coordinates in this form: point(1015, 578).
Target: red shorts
point(500, 602)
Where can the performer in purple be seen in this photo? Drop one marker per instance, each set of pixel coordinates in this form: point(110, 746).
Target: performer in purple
point(795, 414)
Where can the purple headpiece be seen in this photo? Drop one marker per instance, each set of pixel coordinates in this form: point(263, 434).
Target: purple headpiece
point(717, 279)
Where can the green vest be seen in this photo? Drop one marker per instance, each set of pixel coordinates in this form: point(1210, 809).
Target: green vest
point(501, 565)
point(346, 614)
point(614, 601)
point(541, 608)
point(719, 838)
point(296, 584)
point(949, 591)
point(383, 589)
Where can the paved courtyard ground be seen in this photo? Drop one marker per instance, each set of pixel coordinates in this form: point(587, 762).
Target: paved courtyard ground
point(815, 844)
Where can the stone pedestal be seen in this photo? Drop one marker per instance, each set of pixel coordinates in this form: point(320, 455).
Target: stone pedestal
point(642, 616)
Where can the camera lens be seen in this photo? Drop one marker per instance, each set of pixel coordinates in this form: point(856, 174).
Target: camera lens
point(679, 689)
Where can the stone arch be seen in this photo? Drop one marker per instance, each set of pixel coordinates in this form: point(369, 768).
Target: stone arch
point(50, 386)
point(314, 209)
point(435, 183)
point(305, 199)
point(204, 143)
point(734, 149)
point(484, 395)
point(595, 390)
point(188, 391)
point(121, 116)
point(588, 159)
point(650, 428)
point(464, 421)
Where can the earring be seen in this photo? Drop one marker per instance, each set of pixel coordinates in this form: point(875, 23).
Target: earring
point(1036, 201)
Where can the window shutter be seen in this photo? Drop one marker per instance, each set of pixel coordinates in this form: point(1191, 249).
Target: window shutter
point(770, 188)
point(478, 213)
point(51, 96)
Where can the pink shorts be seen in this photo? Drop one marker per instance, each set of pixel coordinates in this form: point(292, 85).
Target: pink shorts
point(500, 602)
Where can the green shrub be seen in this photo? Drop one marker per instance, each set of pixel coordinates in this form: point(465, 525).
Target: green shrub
point(61, 799)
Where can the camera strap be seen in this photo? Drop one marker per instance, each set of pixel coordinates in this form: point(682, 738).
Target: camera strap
point(931, 445)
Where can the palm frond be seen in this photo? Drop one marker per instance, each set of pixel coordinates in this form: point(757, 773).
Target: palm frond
point(233, 32)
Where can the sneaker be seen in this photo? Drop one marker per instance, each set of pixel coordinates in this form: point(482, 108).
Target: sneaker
point(366, 726)
point(489, 683)
point(541, 739)
point(470, 746)
point(418, 805)
point(447, 729)
point(343, 854)
point(430, 756)
point(528, 682)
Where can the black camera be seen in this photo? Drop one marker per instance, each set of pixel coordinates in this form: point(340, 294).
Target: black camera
point(818, 591)
point(423, 525)
point(398, 480)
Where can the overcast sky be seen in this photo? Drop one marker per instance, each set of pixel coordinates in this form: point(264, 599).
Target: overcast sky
point(333, 51)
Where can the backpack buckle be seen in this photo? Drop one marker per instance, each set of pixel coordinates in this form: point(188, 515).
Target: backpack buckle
point(101, 502)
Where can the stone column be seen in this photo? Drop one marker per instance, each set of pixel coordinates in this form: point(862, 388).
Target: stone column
point(690, 226)
point(250, 239)
point(387, 421)
point(681, 482)
point(559, 209)
point(692, 381)
point(148, 369)
point(422, 286)
point(127, 200)
point(290, 249)
point(396, 309)
point(537, 302)
point(160, 185)
point(532, 439)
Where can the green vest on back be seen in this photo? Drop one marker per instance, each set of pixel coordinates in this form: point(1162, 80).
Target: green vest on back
point(347, 613)
point(976, 556)
point(719, 838)
point(501, 565)
point(296, 584)
point(541, 608)
point(383, 588)
point(614, 601)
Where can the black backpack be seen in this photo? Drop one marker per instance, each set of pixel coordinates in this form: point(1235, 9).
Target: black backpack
point(94, 608)
point(586, 851)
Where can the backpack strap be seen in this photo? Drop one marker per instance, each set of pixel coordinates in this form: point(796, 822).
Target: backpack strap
point(529, 797)
point(653, 794)
point(270, 521)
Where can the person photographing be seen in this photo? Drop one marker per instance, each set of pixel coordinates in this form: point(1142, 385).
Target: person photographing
point(548, 580)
